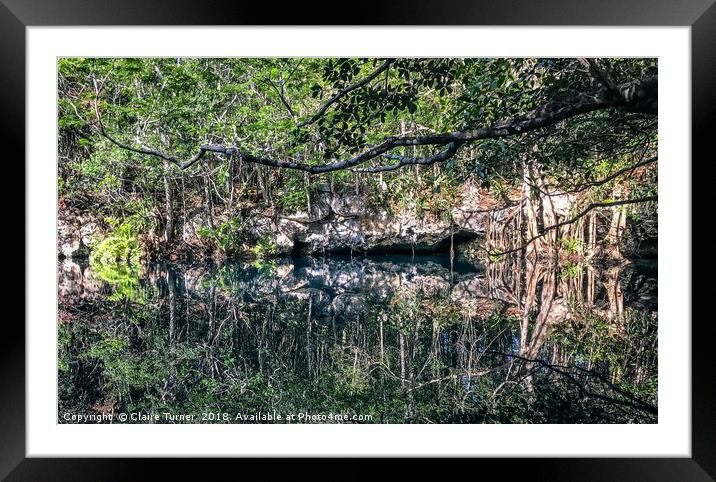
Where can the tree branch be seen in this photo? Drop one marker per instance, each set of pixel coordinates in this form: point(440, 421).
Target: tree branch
point(535, 120)
point(585, 185)
point(281, 97)
point(637, 96)
point(441, 156)
point(598, 74)
point(336, 97)
point(563, 370)
point(546, 115)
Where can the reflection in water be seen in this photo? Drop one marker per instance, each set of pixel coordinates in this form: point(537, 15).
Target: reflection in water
point(400, 339)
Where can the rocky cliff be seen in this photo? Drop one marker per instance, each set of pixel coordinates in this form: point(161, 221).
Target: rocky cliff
point(344, 223)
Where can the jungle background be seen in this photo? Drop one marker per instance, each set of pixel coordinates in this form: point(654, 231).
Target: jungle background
point(424, 240)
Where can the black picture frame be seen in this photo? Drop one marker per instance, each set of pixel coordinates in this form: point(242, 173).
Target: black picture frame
point(700, 15)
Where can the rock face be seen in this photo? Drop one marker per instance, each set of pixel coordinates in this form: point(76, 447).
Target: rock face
point(75, 231)
point(341, 289)
point(345, 223)
point(75, 279)
point(340, 223)
point(640, 239)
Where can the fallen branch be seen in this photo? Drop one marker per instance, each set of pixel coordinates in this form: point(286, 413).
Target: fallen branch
point(587, 185)
point(631, 400)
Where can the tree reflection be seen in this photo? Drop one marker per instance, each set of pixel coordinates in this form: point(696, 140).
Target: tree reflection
point(402, 339)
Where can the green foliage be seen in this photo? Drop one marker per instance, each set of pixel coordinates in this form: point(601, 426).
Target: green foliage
point(115, 259)
point(265, 105)
point(294, 195)
point(602, 344)
point(120, 245)
point(494, 255)
point(220, 348)
point(570, 270)
point(571, 245)
point(265, 248)
point(123, 277)
point(227, 349)
point(226, 236)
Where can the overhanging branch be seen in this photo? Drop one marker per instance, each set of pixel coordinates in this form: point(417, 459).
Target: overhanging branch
point(546, 115)
point(441, 156)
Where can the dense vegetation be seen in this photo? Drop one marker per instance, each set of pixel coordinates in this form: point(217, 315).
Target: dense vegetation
point(144, 141)
point(543, 170)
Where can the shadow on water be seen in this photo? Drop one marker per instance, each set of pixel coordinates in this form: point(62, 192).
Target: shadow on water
point(391, 339)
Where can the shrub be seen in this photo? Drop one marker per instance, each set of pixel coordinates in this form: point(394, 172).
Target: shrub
point(120, 246)
point(265, 247)
point(226, 237)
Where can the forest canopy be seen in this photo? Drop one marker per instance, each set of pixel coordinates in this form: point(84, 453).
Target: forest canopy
point(136, 132)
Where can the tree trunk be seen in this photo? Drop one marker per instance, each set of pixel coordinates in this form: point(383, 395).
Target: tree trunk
point(171, 285)
point(168, 210)
point(616, 229)
point(530, 211)
point(208, 205)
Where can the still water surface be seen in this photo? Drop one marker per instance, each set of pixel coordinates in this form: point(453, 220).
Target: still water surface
point(392, 339)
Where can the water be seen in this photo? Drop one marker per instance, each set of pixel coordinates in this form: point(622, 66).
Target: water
point(390, 339)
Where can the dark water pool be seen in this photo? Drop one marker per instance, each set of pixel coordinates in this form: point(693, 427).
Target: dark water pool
point(389, 339)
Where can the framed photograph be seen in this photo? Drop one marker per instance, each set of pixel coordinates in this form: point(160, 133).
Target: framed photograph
point(456, 234)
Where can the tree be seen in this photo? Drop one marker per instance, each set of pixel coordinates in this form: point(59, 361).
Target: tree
point(636, 95)
point(278, 123)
